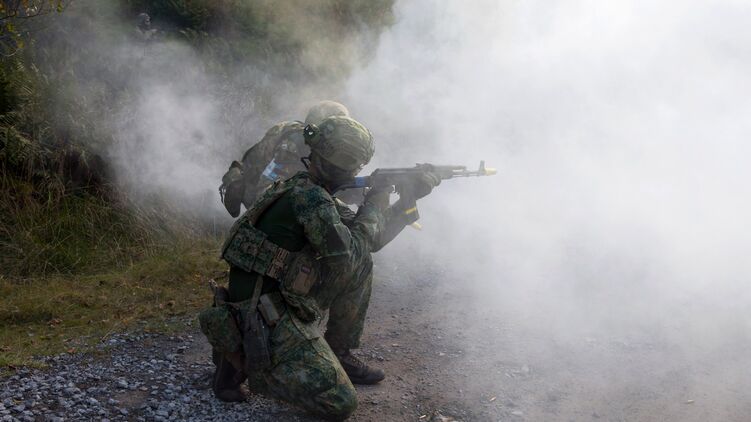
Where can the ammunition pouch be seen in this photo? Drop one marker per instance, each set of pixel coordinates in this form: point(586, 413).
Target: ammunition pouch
point(272, 307)
point(250, 250)
point(256, 340)
point(242, 328)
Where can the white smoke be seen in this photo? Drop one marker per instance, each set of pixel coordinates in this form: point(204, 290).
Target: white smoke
point(173, 137)
point(617, 127)
point(620, 130)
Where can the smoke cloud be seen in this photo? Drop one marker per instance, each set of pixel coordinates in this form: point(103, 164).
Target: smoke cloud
point(180, 104)
point(620, 132)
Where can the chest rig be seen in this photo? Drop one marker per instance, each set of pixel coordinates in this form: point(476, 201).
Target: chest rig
point(250, 249)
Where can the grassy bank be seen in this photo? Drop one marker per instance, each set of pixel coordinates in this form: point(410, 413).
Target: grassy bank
point(67, 313)
point(80, 255)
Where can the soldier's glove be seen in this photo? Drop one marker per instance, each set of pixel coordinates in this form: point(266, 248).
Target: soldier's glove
point(424, 184)
point(378, 197)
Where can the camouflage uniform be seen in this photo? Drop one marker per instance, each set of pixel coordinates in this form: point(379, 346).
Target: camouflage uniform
point(299, 215)
point(304, 369)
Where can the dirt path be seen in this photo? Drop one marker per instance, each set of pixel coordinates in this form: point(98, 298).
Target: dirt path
point(454, 353)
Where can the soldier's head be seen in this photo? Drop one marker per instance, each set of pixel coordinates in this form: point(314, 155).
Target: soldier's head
point(325, 109)
point(144, 21)
point(339, 148)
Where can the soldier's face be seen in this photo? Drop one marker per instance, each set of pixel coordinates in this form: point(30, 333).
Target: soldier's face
point(334, 176)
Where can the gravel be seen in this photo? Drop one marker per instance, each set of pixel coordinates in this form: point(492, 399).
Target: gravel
point(132, 377)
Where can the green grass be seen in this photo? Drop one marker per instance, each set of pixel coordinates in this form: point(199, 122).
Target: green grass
point(50, 315)
point(80, 261)
point(77, 266)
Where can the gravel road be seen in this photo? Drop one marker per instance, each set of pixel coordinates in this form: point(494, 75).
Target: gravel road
point(445, 361)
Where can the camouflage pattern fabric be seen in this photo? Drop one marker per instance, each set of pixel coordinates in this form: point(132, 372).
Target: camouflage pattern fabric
point(323, 110)
point(347, 301)
point(218, 325)
point(339, 247)
point(284, 144)
point(305, 371)
point(342, 141)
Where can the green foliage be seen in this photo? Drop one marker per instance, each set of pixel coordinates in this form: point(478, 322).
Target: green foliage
point(58, 210)
point(77, 256)
point(9, 97)
point(69, 235)
point(291, 39)
point(13, 12)
point(184, 14)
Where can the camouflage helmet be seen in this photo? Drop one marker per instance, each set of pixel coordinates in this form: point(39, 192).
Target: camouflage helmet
point(325, 109)
point(342, 141)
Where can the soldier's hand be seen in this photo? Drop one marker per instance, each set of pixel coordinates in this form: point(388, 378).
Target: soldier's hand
point(379, 197)
point(424, 184)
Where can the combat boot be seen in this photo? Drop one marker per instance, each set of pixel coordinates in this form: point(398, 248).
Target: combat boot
point(357, 370)
point(227, 380)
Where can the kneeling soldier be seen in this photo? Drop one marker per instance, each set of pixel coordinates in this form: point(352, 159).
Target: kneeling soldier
point(296, 252)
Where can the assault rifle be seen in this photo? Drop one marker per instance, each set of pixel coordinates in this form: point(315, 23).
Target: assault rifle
point(401, 180)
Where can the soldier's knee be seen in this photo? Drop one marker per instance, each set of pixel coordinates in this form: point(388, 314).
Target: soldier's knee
point(350, 405)
point(341, 403)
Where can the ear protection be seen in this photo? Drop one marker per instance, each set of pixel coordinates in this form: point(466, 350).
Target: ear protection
point(312, 135)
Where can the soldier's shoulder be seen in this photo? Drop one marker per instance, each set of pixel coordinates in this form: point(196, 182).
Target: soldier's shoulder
point(293, 131)
point(287, 125)
point(284, 129)
point(293, 124)
point(308, 194)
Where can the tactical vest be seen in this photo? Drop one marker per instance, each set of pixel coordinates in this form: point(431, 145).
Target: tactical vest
point(250, 250)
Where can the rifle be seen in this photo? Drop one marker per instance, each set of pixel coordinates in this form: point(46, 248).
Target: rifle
point(401, 181)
